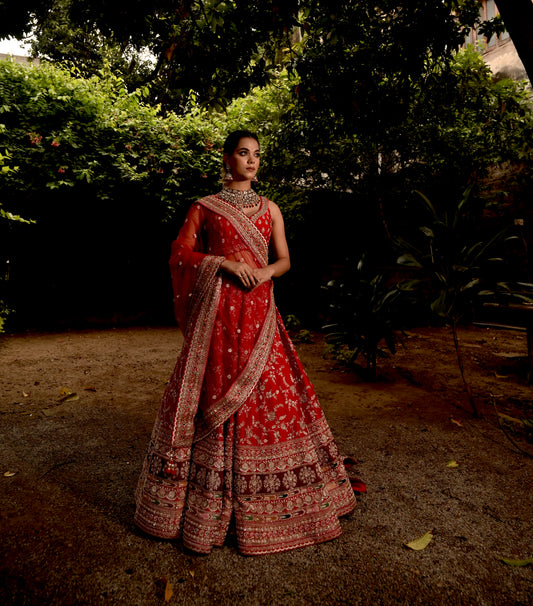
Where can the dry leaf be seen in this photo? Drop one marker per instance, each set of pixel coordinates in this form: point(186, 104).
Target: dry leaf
point(9, 474)
point(510, 562)
point(26, 395)
point(420, 543)
point(458, 423)
point(191, 572)
point(452, 464)
point(501, 376)
point(72, 397)
point(169, 592)
point(65, 395)
point(51, 411)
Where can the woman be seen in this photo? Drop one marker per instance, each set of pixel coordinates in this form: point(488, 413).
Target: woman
point(240, 432)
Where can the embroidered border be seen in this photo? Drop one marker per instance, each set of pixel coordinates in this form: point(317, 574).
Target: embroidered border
point(242, 224)
point(204, 310)
point(243, 386)
point(159, 499)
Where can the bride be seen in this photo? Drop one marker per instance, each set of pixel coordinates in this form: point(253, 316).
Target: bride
point(240, 434)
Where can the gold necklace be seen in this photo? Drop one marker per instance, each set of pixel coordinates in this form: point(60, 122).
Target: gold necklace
point(239, 198)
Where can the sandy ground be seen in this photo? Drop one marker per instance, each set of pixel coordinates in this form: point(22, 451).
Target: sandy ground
point(68, 471)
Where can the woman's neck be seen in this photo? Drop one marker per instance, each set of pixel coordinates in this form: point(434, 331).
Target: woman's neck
point(240, 185)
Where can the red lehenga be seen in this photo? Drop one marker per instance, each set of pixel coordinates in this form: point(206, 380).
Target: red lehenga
point(240, 431)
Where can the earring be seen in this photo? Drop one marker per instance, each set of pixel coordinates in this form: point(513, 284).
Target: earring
point(228, 176)
point(255, 180)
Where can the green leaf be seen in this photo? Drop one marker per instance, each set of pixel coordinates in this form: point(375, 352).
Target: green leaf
point(517, 563)
point(409, 260)
point(420, 543)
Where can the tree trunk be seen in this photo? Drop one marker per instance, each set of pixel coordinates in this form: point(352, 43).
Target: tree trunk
point(518, 18)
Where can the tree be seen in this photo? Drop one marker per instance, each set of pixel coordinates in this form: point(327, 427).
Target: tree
point(217, 48)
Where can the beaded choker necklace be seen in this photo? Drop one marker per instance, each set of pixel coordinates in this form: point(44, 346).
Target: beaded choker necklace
point(239, 198)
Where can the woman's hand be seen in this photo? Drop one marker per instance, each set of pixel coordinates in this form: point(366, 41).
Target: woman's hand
point(242, 271)
point(262, 274)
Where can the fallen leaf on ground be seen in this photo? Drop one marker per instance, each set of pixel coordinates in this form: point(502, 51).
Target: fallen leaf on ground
point(458, 423)
point(9, 474)
point(501, 376)
point(65, 395)
point(420, 543)
point(510, 562)
point(452, 464)
point(169, 591)
point(26, 395)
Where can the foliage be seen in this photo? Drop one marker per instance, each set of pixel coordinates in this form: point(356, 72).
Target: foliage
point(374, 104)
point(345, 190)
point(458, 263)
point(4, 170)
point(217, 48)
point(358, 59)
point(364, 316)
point(95, 135)
point(6, 215)
point(108, 178)
point(100, 172)
point(452, 123)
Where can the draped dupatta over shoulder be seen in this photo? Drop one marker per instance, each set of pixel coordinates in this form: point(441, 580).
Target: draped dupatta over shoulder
point(197, 284)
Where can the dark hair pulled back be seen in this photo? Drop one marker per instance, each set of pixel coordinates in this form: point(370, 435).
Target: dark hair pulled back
point(232, 140)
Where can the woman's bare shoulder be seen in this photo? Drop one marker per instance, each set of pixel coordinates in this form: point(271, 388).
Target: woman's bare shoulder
point(274, 208)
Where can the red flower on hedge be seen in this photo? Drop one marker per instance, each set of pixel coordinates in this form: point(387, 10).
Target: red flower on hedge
point(35, 138)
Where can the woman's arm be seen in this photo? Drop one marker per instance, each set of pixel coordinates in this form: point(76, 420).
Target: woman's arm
point(282, 261)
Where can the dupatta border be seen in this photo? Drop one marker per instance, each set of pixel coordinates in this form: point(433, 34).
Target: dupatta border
point(241, 389)
point(204, 306)
point(221, 410)
point(241, 223)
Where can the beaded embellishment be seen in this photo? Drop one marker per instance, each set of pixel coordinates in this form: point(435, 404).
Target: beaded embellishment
point(239, 198)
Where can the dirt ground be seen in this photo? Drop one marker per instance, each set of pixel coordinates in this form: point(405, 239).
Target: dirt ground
point(69, 468)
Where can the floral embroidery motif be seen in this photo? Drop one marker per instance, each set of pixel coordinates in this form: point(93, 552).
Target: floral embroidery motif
point(307, 475)
point(271, 483)
point(289, 480)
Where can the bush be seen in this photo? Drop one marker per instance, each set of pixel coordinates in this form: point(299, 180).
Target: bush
point(106, 178)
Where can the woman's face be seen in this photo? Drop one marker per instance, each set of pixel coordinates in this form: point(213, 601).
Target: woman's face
point(244, 161)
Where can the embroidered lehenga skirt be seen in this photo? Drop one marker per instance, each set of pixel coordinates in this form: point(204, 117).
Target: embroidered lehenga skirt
point(240, 433)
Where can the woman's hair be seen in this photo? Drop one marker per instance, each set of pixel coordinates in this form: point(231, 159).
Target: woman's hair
point(232, 140)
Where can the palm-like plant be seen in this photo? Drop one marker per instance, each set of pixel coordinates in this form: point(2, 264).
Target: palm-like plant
point(363, 316)
point(455, 266)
